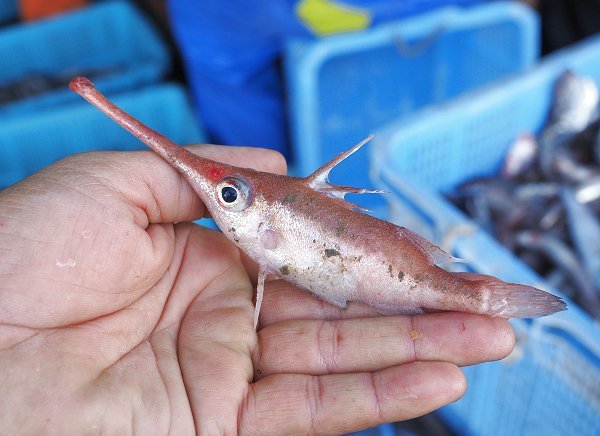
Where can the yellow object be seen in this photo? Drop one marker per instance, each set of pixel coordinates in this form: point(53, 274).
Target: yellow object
point(324, 17)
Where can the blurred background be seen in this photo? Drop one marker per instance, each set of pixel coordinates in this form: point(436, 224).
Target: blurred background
point(487, 140)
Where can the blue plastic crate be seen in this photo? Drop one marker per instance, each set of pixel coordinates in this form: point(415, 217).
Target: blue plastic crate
point(29, 143)
point(345, 87)
point(550, 385)
point(8, 10)
point(111, 42)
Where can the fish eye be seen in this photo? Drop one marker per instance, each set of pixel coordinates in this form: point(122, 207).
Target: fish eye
point(233, 194)
point(229, 194)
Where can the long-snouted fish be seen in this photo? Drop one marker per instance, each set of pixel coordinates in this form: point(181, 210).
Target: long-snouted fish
point(302, 230)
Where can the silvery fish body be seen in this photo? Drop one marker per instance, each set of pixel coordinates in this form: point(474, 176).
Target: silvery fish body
point(302, 230)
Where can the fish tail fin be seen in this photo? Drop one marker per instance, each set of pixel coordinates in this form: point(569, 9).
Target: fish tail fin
point(510, 300)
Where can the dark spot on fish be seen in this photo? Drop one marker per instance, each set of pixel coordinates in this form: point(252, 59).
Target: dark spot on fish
point(401, 275)
point(258, 371)
point(390, 270)
point(419, 277)
point(314, 241)
point(331, 252)
point(358, 258)
point(232, 229)
point(290, 199)
point(236, 239)
point(340, 229)
point(413, 287)
point(285, 270)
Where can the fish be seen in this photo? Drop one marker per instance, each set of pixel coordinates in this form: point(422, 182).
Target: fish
point(574, 108)
point(521, 156)
point(305, 232)
point(589, 190)
point(575, 103)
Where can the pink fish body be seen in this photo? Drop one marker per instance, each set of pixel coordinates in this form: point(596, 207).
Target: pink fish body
point(302, 230)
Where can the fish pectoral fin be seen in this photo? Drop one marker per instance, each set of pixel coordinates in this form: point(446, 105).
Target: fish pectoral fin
point(340, 191)
point(437, 255)
point(337, 192)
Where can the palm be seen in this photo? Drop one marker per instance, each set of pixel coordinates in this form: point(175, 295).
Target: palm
point(110, 323)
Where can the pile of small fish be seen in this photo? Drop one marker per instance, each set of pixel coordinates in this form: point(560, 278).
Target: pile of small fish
point(545, 203)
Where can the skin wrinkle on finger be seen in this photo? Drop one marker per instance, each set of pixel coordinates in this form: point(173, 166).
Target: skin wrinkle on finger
point(375, 379)
point(328, 353)
point(314, 400)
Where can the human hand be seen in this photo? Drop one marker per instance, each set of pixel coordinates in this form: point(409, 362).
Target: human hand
point(114, 320)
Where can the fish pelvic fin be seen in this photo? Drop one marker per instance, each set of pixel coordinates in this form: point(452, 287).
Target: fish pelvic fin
point(510, 300)
point(319, 180)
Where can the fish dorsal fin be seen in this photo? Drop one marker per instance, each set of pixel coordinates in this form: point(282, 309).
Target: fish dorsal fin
point(321, 175)
point(319, 180)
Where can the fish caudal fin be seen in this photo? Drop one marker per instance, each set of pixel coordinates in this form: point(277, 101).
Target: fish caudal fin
point(510, 300)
